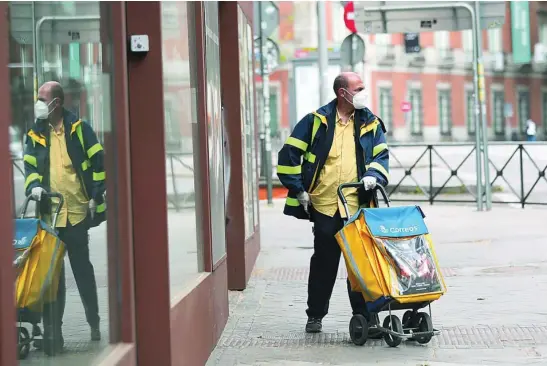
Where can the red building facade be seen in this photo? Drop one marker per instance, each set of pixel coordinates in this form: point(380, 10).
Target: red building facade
point(437, 82)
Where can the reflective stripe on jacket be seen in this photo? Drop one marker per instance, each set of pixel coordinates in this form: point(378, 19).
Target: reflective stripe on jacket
point(304, 153)
point(86, 155)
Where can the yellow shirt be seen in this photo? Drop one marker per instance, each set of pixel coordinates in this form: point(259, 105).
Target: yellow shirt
point(340, 167)
point(65, 180)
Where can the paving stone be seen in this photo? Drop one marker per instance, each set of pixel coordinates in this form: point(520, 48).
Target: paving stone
point(495, 267)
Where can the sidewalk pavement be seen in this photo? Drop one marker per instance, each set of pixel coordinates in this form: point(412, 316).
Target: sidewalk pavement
point(495, 267)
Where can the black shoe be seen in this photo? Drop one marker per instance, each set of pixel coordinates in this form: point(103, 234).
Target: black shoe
point(314, 325)
point(95, 334)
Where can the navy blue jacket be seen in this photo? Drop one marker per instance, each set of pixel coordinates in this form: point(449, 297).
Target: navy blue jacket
point(85, 152)
point(304, 153)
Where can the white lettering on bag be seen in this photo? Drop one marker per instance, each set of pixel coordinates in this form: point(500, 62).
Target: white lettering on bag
point(399, 230)
point(21, 242)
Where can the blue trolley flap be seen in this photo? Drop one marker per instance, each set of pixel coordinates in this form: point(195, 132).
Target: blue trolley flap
point(396, 222)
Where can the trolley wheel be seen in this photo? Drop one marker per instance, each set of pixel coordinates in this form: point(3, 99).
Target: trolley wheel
point(424, 324)
point(408, 319)
point(358, 329)
point(23, 344)
point(393, 323)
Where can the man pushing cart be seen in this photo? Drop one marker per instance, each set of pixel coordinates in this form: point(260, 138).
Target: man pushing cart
point(341, 142)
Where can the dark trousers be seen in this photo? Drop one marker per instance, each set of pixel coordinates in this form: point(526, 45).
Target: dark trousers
point(76, 241)
point(324, 267)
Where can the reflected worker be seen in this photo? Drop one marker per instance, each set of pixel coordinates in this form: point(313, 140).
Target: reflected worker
point(63, 154)
point(342, 142)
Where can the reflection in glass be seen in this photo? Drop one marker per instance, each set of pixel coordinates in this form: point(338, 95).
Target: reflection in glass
point(68, 48)
point(250, 190)
point(215, 130)
point(181, 143)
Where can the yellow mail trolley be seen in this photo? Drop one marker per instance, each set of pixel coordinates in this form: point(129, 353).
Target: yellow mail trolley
point(390, 259)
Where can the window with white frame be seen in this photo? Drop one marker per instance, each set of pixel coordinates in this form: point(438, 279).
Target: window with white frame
point(467, 41)
point(494, 40)
point(542, 27)
point(523, 100)
point(445, 112)
point(442, 42)
point(416, 121)
point(383, 39)
point(385, 103)
point(498, 102)
point(470, 112)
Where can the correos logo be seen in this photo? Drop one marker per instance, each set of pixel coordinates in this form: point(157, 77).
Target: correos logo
point(399, 230)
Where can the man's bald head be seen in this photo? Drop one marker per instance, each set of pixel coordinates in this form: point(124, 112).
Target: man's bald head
point(346, 85)
point(50, 91)
point(52, 94)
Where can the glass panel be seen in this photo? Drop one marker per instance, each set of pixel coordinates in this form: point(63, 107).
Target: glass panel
point(386, 113)
point(494, 40)
point(254, 124)
point(542, 28)
point(498, 106)
point(523, 109)
point(467, 40)
point(215, 130)
point(248, 122)
point(68, 147)
point(442, 42)
point(181, 143)
point(445, 119)
point(416, 112)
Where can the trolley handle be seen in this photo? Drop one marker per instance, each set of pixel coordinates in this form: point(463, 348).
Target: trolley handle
point(344, 201)
point(37, 211)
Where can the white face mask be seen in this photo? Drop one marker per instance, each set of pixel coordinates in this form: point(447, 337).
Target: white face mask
point(41, 110)
point(359, 100)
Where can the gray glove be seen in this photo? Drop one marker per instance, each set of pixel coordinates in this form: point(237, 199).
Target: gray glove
point(92, 207)
point(37, 192)
point(369, 183)
point(304, 199)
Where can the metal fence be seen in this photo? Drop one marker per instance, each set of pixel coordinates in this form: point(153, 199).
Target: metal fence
point(180, 181)
point(446, 172)
point(434, 173)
